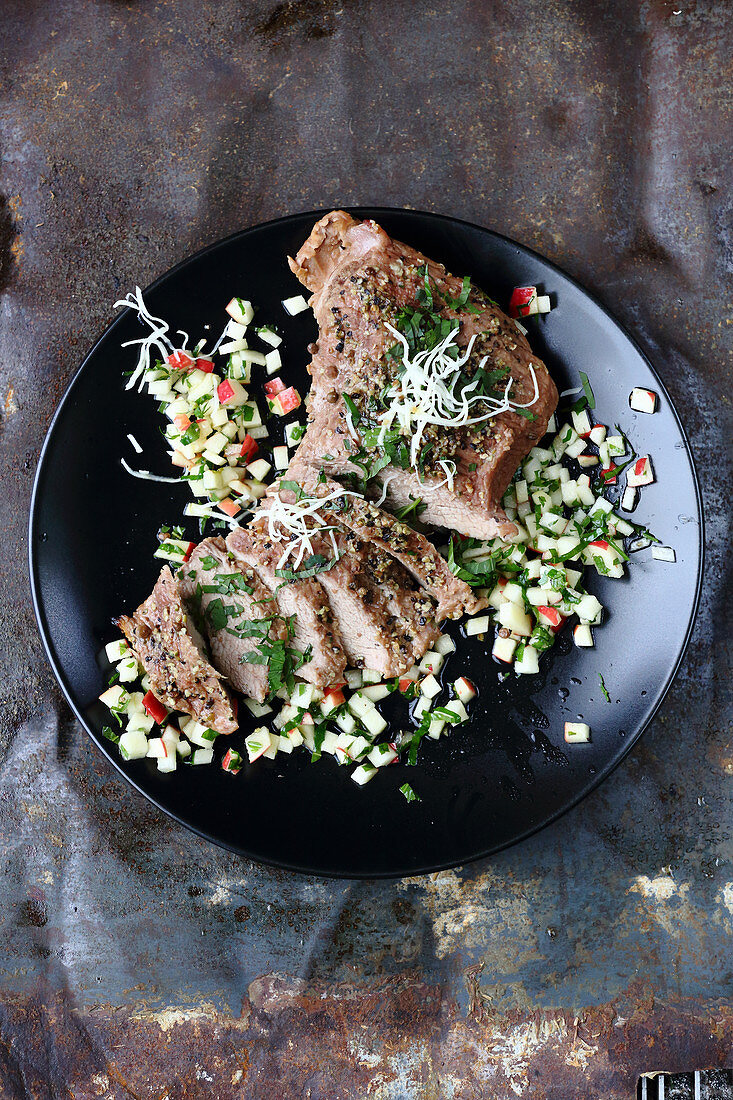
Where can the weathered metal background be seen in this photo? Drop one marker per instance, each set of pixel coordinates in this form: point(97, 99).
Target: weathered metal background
point(139, 961)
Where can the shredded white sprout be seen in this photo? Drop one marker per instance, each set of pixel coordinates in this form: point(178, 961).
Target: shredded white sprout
point(209, 513)
point(426, 393)
point(449, 469)
point(135, 445)
point(290, 521)
point(145, 475)
point(156, 338)
point(572, 392)
point(385, 486)
point(350, 423)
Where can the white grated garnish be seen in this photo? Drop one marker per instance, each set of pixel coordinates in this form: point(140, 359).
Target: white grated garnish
point(290, 521)
point(135, 445)
point(426, 394)
point(220, 341)
point(145, 475)
point(202, 512)
point(449, 469)
point(572, 392)
point(385, 486)
point(156, 338)
point(350, 423)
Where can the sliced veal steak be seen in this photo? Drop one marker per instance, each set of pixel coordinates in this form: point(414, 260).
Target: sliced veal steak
point(304, 601)
point(385, 620)
point(171, 650)
point(410, 605)
point(411, 548)
point(360, 279)
point(237, 613)
point(372, 634)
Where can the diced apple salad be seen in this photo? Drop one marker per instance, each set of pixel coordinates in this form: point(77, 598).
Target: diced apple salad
point(343, 722)
point(216, 427)
point(559, 499)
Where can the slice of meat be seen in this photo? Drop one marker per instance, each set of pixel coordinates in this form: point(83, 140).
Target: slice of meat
point(361, 279)
point(171, 650)
point(303, 601)
point(411, 548)
point(385, 620)
point(372, 633)
point(236, 611)
point(410, 605)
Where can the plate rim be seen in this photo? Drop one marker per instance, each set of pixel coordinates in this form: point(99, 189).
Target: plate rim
point(39, 611)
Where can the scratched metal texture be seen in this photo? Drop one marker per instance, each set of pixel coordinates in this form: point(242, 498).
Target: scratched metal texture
point(138, 961)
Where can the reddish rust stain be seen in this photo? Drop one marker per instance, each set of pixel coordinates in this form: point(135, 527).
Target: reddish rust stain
point(400, 1036)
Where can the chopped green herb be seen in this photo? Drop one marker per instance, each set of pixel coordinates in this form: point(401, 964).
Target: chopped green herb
point(588, 390)
point(293, 487)
point(447, 715)
point(617, 469)
point(409, 794)
point(414, 508)
point(355, 414)
point(311, 567)
point(190, 435)
point(604, 689)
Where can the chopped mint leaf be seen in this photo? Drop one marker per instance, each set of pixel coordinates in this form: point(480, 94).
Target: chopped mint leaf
point(409, 794)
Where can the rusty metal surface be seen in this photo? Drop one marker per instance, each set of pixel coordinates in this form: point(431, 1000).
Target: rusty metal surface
point(139, 961)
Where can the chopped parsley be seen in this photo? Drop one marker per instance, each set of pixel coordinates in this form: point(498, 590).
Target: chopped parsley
point(228, 584)
point(479, 574)
point(409, 794)
point(415, 508)
point(588, 390)
point(281, 660)
point(413, 743)
point(293, 487)
point(218, 614)
point(310, 567)
point(355, 414)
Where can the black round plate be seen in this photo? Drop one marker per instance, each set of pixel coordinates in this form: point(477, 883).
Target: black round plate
point(490, 783)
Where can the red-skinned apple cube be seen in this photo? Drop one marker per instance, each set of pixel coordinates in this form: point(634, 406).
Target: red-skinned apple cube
point(154, 708)
point(464, 689)
point(274, 386)
point(287, 401)
point(521, 300)
point(644, 401)
point(583, 635)
point(640, 473)
point(231, 762)
point(179, 360)
point(550, 616)
point(231, 392)
point(577, 732)
point(229, 506)
point(504, 648)
point(249, 448)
